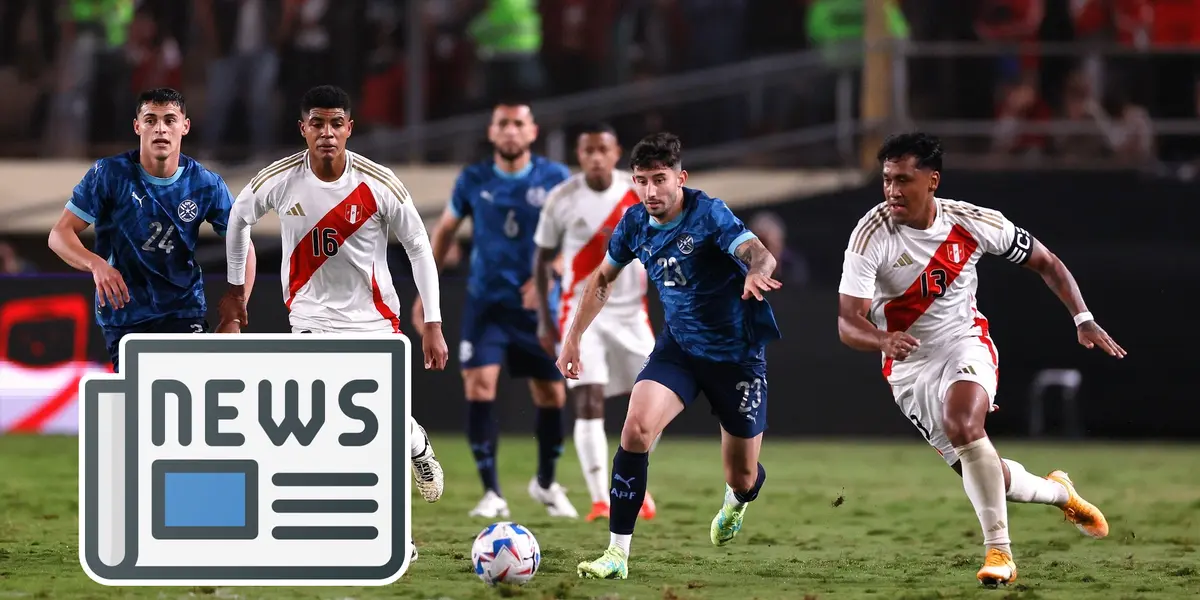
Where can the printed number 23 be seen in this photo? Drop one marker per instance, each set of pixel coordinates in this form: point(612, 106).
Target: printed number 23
point(671, 272)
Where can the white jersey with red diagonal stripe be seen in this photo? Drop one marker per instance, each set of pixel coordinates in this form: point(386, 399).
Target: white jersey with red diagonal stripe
point(335, 239)
point(923, 281)
point(579, 221)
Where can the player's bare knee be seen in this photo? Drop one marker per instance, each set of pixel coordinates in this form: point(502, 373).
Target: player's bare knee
point(547, 393)
point(479, 385)
point(637, 435)
point(964, 412)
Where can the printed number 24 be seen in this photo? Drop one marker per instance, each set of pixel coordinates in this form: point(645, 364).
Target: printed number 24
point(672, 273)
point(164, 238)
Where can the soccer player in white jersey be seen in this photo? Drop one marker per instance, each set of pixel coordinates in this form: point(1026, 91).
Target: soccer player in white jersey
point(336, 210)
point(908, 290)
point(578, 218)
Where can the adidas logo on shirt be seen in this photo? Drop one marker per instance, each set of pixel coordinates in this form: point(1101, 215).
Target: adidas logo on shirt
point(295, 211)
point(904, 261)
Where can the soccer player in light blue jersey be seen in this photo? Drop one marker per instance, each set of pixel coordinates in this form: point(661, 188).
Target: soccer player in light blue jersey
point(503, 196)
point(147, 206)
point(711, 273)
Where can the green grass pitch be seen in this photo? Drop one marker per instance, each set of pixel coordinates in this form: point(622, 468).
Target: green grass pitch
point(903, 527)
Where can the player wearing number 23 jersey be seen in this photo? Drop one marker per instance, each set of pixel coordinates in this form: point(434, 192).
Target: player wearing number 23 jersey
point(504, 210)
point(147, 227)
point(712, 338)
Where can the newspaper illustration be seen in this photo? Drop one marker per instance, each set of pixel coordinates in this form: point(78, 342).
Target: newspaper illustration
point(247, 459)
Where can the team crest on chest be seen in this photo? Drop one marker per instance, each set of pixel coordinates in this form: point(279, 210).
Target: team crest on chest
point(536, 196)
point(354, 213)
point(686, 244)
point(188, 211)
point(955, 253)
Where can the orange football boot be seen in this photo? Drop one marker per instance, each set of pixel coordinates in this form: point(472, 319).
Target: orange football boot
point(599, 511)
point(1083, 514)
point(998, 569)
point(648, 509)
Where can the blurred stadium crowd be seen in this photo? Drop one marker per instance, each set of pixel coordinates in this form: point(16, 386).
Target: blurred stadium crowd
point(71, 67)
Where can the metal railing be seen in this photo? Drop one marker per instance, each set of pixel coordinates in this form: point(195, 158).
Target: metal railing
point(753, 81)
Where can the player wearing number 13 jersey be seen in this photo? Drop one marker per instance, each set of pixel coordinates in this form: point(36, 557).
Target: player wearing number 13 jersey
point(147, 207)
point(908, 290)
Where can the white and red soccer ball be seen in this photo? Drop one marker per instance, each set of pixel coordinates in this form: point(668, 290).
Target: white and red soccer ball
point(505, 552)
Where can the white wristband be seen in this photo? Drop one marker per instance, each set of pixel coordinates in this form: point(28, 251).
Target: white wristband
point(1082, 318)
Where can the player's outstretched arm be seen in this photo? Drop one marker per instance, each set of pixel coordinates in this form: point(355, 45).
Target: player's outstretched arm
point(1060, 281)
point(595, 295)
point(439, 243)
point(64, 241)
point(760, 264)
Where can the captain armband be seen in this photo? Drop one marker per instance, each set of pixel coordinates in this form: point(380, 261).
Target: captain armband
point(1021, 248)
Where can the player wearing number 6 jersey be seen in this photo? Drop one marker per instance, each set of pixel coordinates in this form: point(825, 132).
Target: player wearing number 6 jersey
point(337, 210)
point(908, 290)
point(147, 206)
point(503, 195)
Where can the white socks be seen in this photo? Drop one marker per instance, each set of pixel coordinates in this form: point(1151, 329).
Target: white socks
point(983, 479)
point(592, 447)
point(621, 541)
point(417, 440)
point(1028, 488)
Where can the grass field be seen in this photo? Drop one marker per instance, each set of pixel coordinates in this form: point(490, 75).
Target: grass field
point(903, 528)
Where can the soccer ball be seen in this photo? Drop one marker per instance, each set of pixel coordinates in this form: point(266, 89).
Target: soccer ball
point(505, 552)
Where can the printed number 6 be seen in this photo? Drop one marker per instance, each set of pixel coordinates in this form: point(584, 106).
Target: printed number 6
point(511, 227)
point(672, 272)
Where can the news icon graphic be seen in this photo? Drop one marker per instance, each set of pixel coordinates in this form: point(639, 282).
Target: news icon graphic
point(251, 459)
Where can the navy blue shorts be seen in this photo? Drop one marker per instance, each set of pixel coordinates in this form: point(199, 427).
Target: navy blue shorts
point(113, 335)
point(494, 334)
point(737, 392)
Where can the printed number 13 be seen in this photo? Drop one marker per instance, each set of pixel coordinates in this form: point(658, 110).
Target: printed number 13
point(672, 273)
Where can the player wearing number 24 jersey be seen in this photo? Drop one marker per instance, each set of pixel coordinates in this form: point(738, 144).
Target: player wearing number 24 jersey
point(147, 206)
point(908, 291)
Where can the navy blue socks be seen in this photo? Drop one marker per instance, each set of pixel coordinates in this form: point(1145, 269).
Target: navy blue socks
point(628, 490)
point(549, 430)
point(483, 433)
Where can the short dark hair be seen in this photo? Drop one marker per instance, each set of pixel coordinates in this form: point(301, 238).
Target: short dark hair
point(927, 149)
point(325, 96)
point(598, 128)
point(656, 151)
point(163, 95)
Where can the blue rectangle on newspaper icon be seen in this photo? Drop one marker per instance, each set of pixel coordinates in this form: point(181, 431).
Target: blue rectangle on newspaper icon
point(204, 499)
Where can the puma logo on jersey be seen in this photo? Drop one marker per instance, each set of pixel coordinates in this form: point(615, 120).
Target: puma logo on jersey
point(295, 211)
point(136, 198)
point(904, 261)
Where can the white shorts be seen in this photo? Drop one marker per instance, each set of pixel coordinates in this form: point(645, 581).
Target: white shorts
point(922, 393)
point(613, 353)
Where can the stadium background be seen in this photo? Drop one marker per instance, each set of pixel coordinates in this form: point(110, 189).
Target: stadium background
point(1080, 120)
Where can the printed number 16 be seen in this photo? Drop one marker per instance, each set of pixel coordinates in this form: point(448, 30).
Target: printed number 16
point(672, 273)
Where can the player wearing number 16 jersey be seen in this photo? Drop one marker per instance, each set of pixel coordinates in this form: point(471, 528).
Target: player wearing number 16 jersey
point(147, 206)
point(908, 291)
point(337, 210)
